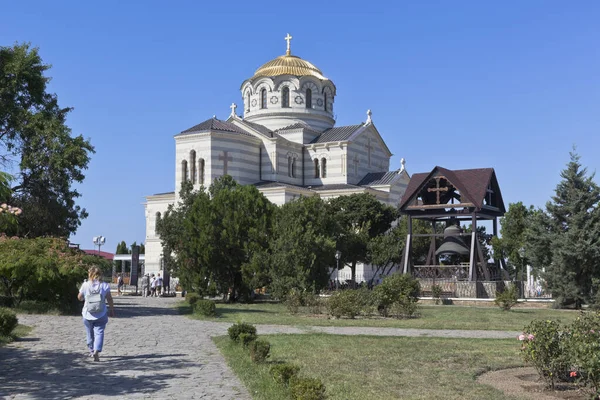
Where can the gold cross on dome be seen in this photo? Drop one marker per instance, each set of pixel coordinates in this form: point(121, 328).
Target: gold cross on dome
point(288, 38)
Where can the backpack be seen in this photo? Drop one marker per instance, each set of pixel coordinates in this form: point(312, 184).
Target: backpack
point(94, 300)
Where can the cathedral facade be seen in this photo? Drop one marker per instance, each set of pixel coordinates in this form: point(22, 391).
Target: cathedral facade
point(285, 143)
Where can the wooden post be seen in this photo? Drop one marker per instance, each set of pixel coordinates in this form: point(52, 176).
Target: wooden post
point(473, 259)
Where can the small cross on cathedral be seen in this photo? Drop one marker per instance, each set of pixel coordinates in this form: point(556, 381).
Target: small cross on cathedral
point(288, 38)
point(233, 106)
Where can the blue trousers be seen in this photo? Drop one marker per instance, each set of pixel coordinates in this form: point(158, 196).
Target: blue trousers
point(94, 330)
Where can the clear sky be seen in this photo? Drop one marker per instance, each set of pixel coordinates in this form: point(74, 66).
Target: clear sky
point(511, 85)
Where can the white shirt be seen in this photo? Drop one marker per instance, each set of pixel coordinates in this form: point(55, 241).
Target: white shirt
point(86, 289)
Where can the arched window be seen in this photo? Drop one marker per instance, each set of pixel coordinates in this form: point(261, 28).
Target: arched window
point(201, 171)
point(325, 101)
point(248, 102)
point(285, 97)
point(184, 171)
point(156, 220)
point(290, 166)
point(308, 98)
point(263, 98)
point(316, 167)
point(323, 167)
point(293, 167)
point(193, 165)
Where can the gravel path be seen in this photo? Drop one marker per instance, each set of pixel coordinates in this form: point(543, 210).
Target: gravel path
point(149, 352)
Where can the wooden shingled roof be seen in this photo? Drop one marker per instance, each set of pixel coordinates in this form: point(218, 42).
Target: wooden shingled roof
point(473, 185)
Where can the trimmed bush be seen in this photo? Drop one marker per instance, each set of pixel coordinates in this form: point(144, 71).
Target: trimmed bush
point(8, 321)
point(585, 348)
point(399, 289)
point(192, 298)
point(508, 298)
point(436, 293)
point(293, 301)
point(345, 303)
point(307, 389)
point(283, 373)
point(236, 330)
point(259, 350)
point(205, 307)
point(247, 338)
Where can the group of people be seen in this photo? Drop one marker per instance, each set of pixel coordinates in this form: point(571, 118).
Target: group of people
point(152, 285)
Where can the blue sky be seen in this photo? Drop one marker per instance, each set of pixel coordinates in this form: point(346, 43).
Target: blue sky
point(463, 84)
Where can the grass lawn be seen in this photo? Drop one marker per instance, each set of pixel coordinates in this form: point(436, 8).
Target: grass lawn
point(432, 317)
point(366, 367)
point(20, 331)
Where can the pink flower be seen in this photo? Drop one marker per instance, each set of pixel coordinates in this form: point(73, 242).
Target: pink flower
point(573, 374)
point(521, 337)
point(530, 337)
point(592, 331)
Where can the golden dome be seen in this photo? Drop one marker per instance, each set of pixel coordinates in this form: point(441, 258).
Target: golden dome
point(289, 65)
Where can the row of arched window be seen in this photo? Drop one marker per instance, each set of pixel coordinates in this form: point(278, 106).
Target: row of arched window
point(190, 175)
point(322, 171)
point(285, 99)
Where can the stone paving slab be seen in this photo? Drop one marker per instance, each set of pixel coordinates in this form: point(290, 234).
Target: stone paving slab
point(149, 352)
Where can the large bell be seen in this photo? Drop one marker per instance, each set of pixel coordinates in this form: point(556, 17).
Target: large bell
point(453, 243)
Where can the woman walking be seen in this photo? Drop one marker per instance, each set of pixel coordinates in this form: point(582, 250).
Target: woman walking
point(95, 293)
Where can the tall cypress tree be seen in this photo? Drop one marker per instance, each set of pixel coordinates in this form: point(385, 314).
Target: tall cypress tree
point(572, 225)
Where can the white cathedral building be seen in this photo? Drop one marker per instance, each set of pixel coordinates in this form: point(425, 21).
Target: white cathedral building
point(286, 144)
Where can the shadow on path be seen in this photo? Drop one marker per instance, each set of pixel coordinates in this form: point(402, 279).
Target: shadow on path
point(49, 374)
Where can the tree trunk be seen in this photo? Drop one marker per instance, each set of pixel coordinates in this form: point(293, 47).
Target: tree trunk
point(353, 269)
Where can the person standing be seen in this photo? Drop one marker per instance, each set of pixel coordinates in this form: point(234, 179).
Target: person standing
point(95, 293)
point(119, 284)
point(159, 282)
point(145, 285)
point(152, 286)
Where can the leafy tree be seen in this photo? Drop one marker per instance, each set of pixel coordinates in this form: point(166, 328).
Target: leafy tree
point(513, 236)
point(360, 217)
point(142, 248)
point(122, 248)
point(565, 239)
point(34, 135)
point(303, 246)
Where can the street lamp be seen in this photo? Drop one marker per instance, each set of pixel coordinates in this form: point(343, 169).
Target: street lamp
point(99, 241)
point(338, 255)
point(522, 255)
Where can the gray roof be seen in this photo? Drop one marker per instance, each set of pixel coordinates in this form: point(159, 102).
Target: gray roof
point(336, 134)
point(271, 184)
point(214, 124)
point(159, 194)
point(335, 186)
point(297, 125)
point(378, 178)
point(263, 130)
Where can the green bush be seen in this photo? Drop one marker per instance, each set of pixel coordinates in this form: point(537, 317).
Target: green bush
point(545, 345)
point(345, 303)
point(283, 373)
point(236, 330)
point(399, 289)
point(205, 307)
point(508, 298)
point(192, 298)
point(293, 301)
point(8, 321)
point(403, 308)
point(259, 350)
point(585, 348)
point(314, 303)
point(307, 389)
point(247, 338)
point(436, 293)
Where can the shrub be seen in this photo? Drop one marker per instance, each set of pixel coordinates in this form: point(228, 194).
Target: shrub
point(205, 307)
point(436, 293)
point(401, 289)
point(314, 303)
point(404, 308)
point(192, 298)
point(8, 321)
point(247, 338)
point(293, 301)
point(307, 389)
point(508, 298)
point(283, 373)
point(545, 345)
point(236, 330)
point(585, 348)
point(345, 303)
point(259, 350)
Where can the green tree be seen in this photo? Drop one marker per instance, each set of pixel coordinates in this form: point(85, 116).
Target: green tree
point(511, 243)
point(360, 217)
point(35, 137)
point(142, 248)
point(568, 245)
point(303, 246)
point(122, 248)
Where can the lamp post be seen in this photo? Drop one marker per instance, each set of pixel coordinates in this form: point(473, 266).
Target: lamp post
point(522, 255)
point(99, 241)
point(338, 255)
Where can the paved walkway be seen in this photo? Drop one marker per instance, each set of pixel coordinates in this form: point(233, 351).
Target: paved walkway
point(149, 352)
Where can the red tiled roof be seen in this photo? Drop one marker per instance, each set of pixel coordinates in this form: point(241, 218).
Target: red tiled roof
point(103, 254)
